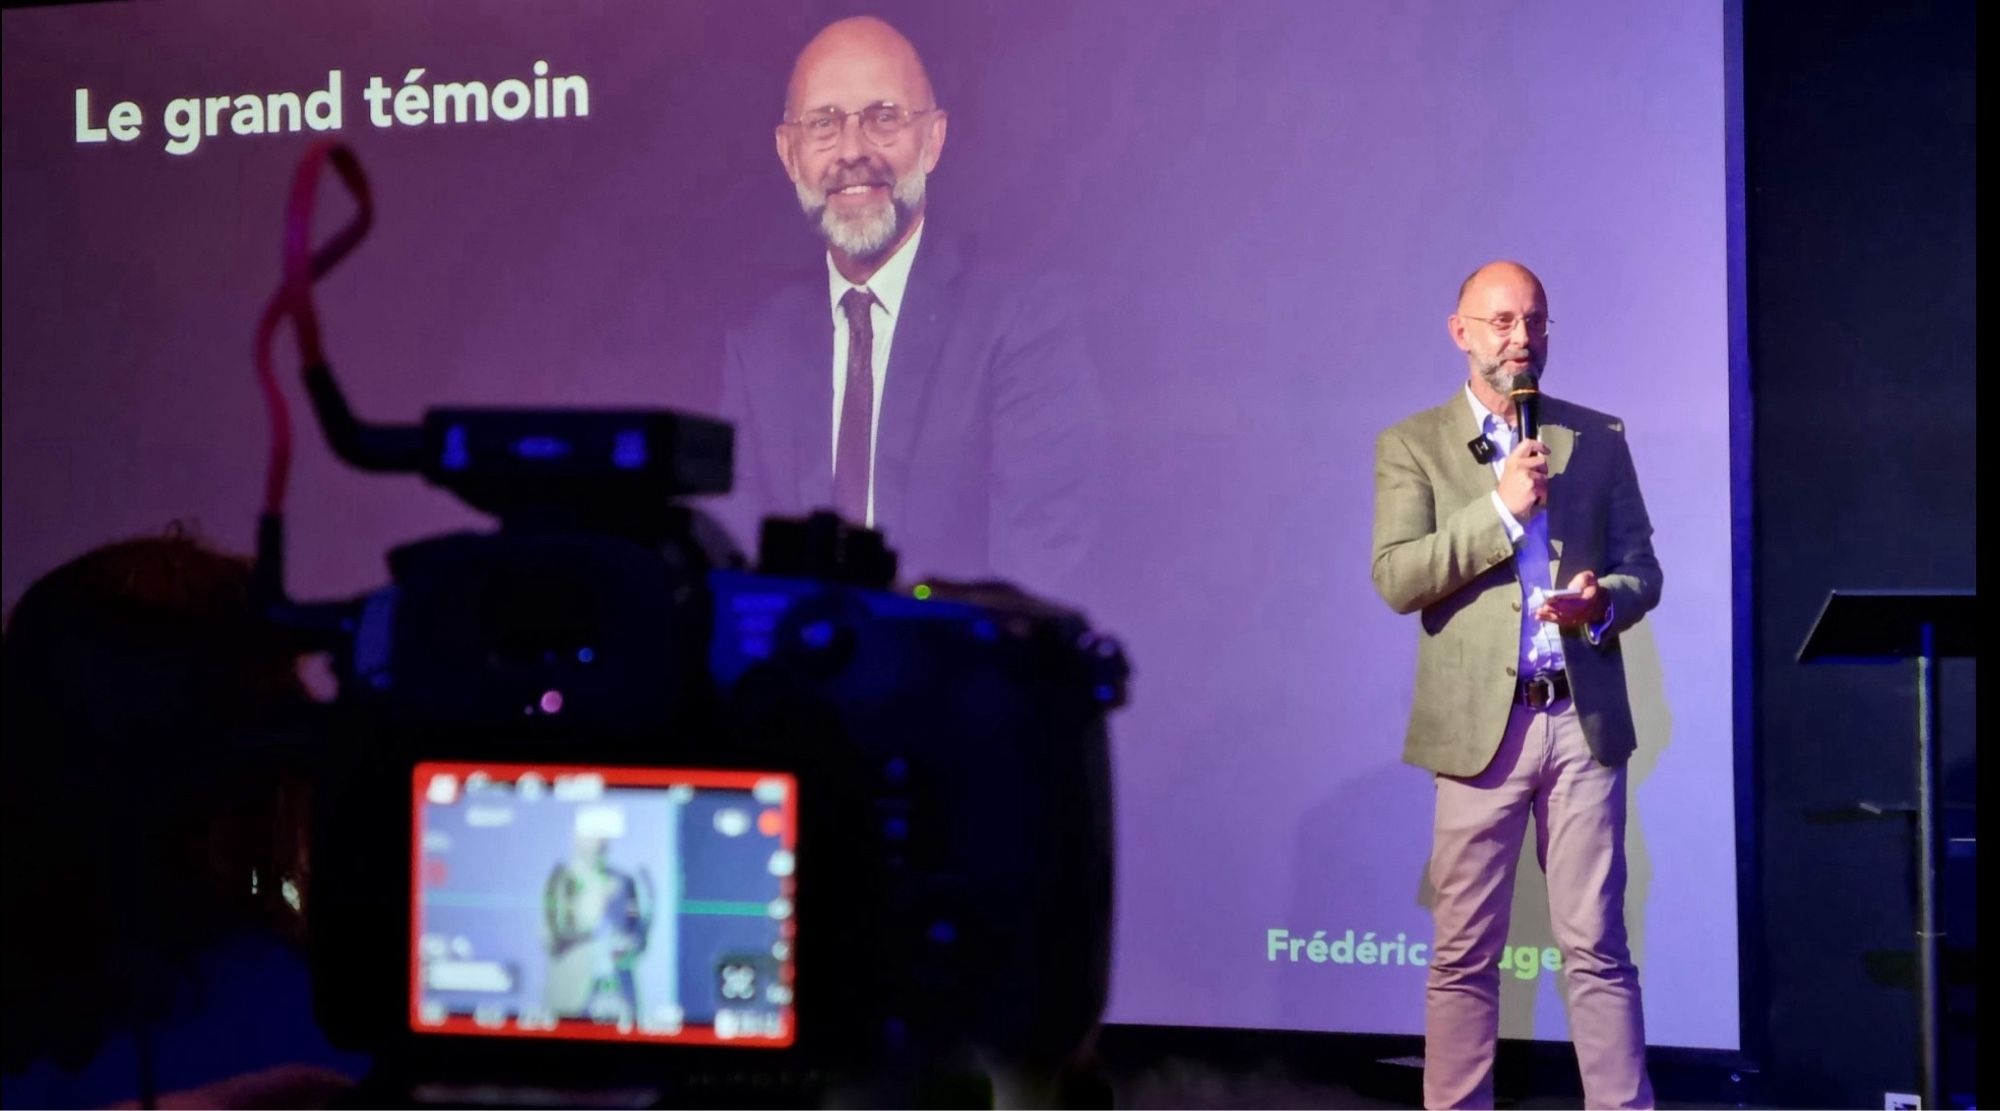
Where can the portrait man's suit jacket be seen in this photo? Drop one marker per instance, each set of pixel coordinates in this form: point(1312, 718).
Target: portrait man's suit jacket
point(1441, 551)
point(991, 427)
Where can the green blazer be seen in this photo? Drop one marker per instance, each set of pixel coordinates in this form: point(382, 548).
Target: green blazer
point(1442, 553)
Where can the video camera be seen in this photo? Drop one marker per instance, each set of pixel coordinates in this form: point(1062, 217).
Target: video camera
point(601, 807)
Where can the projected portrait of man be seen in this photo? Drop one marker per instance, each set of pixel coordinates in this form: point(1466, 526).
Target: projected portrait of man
point(1520, 706)
point(905, 384)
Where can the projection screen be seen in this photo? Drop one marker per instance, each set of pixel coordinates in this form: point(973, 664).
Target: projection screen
point(1259, 213)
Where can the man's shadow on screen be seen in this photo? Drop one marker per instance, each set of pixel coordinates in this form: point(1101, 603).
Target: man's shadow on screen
point(1341, 859)
point(1354, 851)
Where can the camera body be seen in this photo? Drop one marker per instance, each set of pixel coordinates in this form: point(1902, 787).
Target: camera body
point(597, 807)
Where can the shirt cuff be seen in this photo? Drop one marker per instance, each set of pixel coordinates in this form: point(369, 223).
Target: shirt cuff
point(1515, 530)
point(1595, 633)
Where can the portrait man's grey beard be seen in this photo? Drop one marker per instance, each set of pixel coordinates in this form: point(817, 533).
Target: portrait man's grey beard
point(869, 233)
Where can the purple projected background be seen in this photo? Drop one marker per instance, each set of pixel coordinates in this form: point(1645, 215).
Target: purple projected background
point(1267, 209)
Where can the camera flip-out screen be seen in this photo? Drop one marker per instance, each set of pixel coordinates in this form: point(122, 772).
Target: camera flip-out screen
point(607, 903)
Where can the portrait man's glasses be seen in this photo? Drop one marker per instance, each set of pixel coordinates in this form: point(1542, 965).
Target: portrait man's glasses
point(883, 124)
point(1538, 325)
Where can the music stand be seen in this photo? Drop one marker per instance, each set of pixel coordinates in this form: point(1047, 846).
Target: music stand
point(1887, 626)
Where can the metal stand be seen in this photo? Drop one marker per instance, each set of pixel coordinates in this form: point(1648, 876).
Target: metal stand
point(1882, 627)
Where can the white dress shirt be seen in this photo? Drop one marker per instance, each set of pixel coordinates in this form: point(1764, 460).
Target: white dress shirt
point(887, 284)
point(1541, 641)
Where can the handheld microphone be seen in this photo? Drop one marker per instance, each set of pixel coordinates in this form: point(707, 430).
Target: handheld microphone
point(1527, 397)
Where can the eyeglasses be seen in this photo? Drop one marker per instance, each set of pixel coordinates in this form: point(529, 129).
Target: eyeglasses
point(1538, 324)
point(882, 123)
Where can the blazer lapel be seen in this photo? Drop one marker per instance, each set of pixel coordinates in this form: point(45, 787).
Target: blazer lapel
point(930, 303)
point(800, 386)
point(1471, 479)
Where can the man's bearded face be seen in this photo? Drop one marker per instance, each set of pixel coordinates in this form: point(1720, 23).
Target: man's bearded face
point(861, 206)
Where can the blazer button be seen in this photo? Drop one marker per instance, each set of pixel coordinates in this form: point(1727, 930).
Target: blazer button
point(1510, 670)
point(1517, 607)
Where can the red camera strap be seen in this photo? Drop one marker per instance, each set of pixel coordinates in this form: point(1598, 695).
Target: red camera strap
point(303, 266)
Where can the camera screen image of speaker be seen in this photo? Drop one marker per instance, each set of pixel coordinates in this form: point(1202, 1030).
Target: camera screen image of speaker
point(603, 903)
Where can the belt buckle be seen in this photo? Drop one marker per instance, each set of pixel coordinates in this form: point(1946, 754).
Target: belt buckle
point(1539, 691)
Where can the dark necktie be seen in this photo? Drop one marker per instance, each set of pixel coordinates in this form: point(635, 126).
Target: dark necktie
point(851, 455)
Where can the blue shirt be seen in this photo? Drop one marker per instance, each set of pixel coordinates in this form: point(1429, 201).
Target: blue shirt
point(1541, 642)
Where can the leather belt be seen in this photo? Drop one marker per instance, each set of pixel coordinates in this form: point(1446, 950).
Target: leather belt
point(1538, 691)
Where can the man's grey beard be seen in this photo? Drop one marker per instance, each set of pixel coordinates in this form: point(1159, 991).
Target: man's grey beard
point(871, 233)
point(1496, 375)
